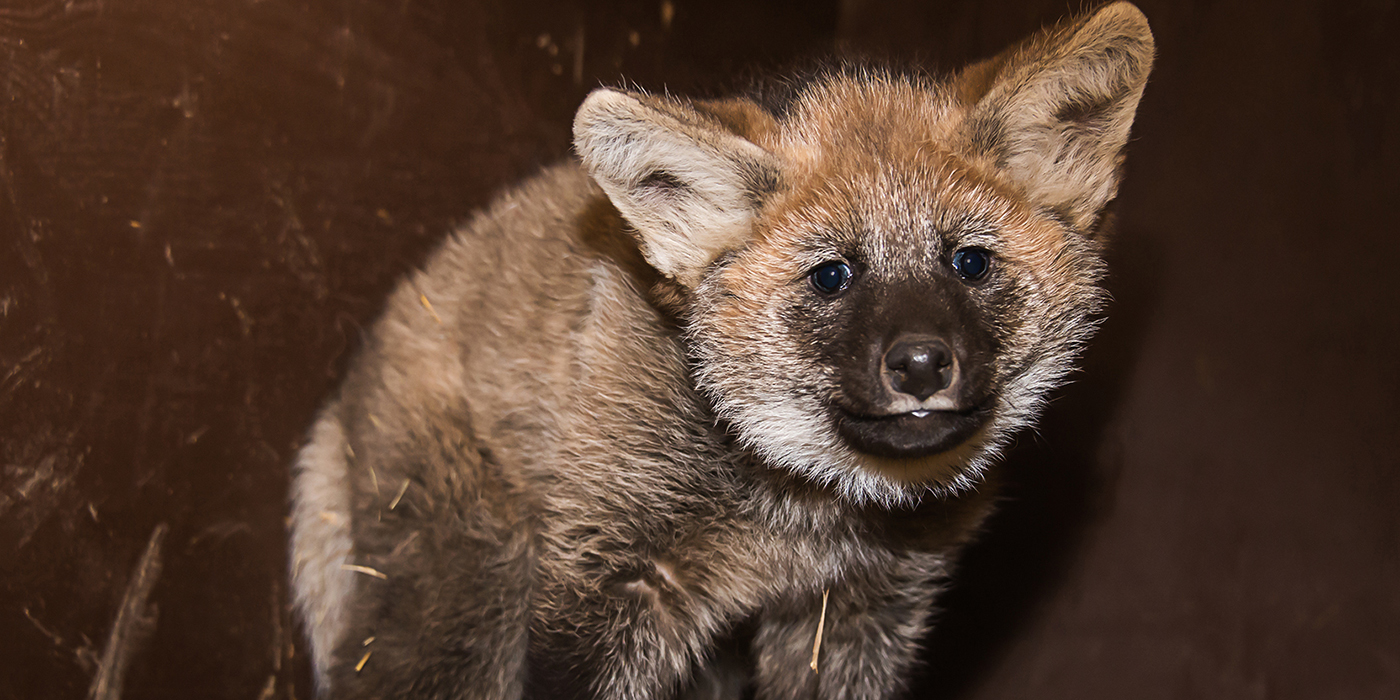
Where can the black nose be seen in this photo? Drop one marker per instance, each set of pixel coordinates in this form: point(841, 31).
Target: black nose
point(920, 366)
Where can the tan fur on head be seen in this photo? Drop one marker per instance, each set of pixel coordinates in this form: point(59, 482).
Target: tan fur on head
point(1030, 142)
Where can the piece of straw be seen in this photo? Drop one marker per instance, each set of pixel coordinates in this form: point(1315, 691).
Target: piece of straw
point(428, 305)
point(402, 490)
point(821, 624)
point(366, 570)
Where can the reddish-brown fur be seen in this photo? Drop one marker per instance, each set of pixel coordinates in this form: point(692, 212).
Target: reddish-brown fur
point(622, 434)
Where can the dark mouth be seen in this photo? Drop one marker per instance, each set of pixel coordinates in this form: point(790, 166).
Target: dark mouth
point(909, 435)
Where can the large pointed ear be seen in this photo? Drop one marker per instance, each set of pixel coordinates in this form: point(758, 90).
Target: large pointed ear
point(1052, 114)
point(689, 186)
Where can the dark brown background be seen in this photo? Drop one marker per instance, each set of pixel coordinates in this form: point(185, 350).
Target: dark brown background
point(203, 201)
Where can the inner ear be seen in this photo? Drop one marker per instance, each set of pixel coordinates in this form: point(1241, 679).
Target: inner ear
point(688, 184)
point(663, 181)
point(1053, 113)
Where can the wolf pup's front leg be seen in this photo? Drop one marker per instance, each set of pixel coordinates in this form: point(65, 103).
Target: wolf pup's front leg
point(859, 646)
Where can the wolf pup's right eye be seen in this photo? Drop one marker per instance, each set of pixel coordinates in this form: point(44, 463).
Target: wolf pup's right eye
point(832, 277)
point(972, 264)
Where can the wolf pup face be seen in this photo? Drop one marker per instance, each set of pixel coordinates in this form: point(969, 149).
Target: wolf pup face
point(884, 275)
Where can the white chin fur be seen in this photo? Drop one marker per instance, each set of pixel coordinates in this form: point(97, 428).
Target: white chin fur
point(800, 439)
point(796, 434)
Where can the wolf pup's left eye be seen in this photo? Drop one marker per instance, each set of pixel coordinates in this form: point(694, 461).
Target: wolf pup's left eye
point(832, 277)
point(972, 264)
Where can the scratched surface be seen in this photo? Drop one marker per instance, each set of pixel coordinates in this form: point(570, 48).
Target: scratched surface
point(203, 201)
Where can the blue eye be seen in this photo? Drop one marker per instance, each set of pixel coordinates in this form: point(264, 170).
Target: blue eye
point(832, 277)
point(972, 264)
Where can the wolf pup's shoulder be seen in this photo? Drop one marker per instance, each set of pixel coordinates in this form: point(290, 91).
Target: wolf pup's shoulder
point(710, 411)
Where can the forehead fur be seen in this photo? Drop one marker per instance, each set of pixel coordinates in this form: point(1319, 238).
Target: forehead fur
point(867, 162)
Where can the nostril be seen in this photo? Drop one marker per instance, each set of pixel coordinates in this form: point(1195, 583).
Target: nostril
point(919, 367)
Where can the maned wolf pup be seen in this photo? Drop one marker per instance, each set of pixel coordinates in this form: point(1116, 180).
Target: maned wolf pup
point(707, 414)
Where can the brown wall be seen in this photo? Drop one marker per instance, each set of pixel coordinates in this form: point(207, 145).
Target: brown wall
point(203, 201)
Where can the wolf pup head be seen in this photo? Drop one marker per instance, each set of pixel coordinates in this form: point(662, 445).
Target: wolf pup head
point(884, 274)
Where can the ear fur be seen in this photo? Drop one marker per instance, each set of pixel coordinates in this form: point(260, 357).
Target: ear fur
point(688, 185)
point(1053, 113)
